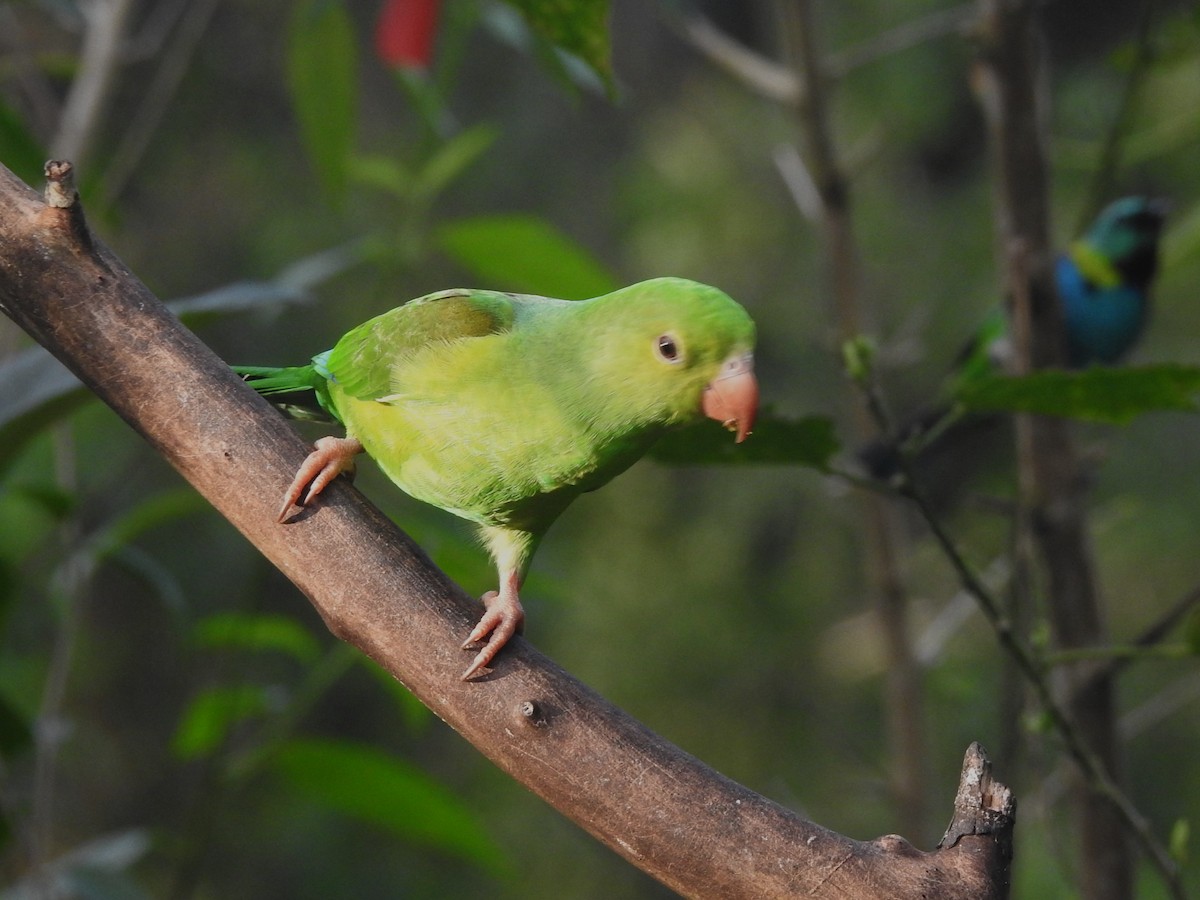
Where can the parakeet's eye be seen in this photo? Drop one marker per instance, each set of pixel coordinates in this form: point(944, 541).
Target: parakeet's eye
point(668, 349)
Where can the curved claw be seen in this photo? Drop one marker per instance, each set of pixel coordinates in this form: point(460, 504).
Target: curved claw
point(329, 458)
point(504, 618)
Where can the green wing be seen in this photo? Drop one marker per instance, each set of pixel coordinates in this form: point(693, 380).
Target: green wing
point(363, 361)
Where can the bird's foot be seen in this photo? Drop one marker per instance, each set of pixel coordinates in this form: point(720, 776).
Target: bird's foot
point(503, 619)
point(330, 457)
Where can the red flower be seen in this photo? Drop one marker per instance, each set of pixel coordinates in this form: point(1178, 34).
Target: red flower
point(404, 32)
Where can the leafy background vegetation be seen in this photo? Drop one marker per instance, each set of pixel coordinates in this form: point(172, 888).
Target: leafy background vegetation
point(175, 721)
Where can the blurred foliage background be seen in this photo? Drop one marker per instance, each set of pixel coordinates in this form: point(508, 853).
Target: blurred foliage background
point(175, 721)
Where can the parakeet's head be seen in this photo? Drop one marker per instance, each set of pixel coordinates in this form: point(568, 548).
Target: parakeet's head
point(1126, 235)
point(670, 350)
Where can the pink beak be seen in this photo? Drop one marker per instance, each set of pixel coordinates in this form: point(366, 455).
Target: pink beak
point(732, 397)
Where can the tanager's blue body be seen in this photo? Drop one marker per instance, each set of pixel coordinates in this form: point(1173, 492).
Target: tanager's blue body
point(1104, 279)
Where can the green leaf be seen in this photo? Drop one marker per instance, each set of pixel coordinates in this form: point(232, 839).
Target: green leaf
point(381, 173)
point(49, 498)
point(858, 356)
point(321, 72)
point(1114, 396)
point(453, 158)
point(434, 175)
point(212, 714)
point(247, 631)
point(525, 253)
point(580, 27)
point(1181, 834)
point(810, 442)
point(374, 787)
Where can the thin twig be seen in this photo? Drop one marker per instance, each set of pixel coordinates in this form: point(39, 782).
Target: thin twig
point(136, 137)
point(98, 62)
point(71, 583)
point(1175, 696)
point(944, 22)
point(957, 611)
point(1150, 637)
point(759, 73)
point(781, 84)
point(1114, 653)
point(1090, 764)
point(798, 181)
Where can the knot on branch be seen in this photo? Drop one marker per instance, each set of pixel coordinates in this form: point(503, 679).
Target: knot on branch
point(982, 805)
point(532, 713)
point(63, 213)
point(60, 184)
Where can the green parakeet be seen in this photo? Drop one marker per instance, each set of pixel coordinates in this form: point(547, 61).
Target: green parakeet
point(502, 408)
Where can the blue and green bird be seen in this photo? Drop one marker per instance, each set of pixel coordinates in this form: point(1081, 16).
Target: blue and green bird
point(1104, 278)
point(1103, 282)
point(502, 408)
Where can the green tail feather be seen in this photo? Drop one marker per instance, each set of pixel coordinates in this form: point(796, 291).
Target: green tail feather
point(300, 391)
point(268, 380)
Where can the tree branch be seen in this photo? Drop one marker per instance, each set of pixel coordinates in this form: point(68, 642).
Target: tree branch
point(686, 825)
point(765, 76)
